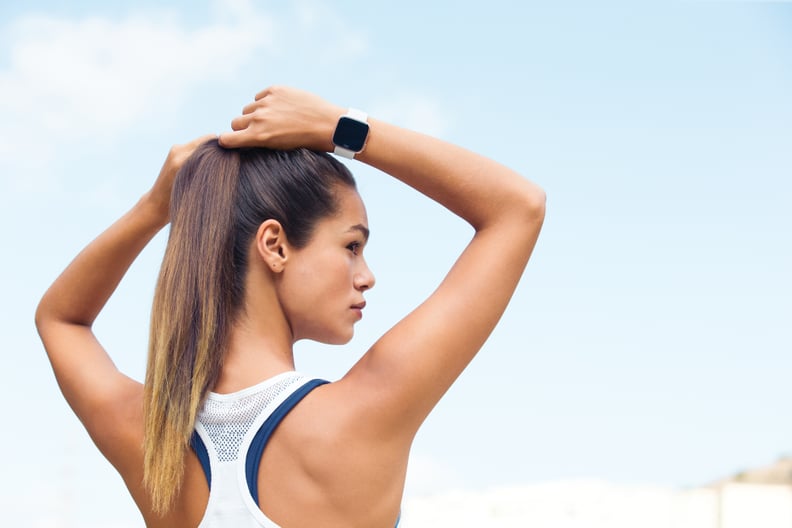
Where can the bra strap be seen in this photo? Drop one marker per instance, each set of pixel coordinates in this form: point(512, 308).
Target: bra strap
point(253, 459)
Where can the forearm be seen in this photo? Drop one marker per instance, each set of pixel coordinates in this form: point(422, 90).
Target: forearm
point(81, 291)
point(476, 188)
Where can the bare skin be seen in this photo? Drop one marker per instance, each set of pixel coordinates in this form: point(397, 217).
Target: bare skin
point(341, 455)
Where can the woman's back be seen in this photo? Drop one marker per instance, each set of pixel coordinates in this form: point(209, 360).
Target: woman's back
point(244, 277)
point(281, 453)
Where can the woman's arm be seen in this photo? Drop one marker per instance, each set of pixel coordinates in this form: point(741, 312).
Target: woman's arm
point(409, 369)
point(98, 393)
point(425, 352)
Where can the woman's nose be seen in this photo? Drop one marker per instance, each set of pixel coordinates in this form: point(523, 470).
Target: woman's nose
point(364, 279)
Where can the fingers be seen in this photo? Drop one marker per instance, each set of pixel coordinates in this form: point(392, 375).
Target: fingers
point(197, 142)
point(235, 139)
point(251, 107)
point(265, 92)
point(242, 135)
point(186, 150)
point(180, 153)
point(241, 122)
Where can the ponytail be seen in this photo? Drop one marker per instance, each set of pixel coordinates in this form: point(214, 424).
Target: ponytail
point(191, 314)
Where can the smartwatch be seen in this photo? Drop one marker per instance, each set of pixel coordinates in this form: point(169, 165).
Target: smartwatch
point(350, 134)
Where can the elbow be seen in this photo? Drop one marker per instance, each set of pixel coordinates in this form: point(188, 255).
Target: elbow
point(45, 315)
point(540, 204)
point(50, 312)
point(522, 209)
point(533, 203)
point(41, 317)
point(528, 216)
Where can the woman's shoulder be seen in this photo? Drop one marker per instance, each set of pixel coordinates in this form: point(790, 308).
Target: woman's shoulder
point(325, 453)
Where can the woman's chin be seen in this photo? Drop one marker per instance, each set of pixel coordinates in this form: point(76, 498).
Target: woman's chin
point(342, 340)
point(334, 339)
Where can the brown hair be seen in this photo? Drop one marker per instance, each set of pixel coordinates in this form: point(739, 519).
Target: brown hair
point(219, 199)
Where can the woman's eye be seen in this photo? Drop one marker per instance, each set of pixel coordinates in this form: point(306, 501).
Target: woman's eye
point(354, 247)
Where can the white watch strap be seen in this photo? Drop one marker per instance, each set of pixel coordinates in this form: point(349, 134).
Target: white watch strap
point(357, 115)
point(341, 151)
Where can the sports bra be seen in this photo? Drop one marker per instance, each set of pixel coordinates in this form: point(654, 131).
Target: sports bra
point(231, 432)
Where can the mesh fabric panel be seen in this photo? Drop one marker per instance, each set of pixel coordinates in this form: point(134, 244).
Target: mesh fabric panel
point(228, 419)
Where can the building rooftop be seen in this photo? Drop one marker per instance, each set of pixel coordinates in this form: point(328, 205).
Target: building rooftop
point(779, 472)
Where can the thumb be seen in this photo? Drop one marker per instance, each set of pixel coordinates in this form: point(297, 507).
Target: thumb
point(233, 139)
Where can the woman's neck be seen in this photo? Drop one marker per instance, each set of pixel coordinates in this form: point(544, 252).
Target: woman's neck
point(258, 349)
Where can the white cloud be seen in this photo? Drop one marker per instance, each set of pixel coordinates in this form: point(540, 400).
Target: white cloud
point(69, 80)
point(335, 40)
point(107, 72)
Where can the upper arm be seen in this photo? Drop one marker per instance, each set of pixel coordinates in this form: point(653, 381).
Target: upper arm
point(108, 403)
point(408, 370)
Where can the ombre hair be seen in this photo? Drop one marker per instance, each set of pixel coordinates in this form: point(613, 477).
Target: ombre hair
point(220, 197)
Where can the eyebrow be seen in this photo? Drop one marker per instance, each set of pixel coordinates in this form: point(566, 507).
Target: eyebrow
point(363, 230)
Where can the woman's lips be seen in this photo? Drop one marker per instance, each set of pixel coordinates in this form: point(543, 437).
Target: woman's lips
point(358, 308)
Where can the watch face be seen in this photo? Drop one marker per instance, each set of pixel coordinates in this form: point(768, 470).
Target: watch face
point(350, 134)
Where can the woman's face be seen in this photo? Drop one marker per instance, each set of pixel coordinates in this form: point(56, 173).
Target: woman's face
point(322, 285)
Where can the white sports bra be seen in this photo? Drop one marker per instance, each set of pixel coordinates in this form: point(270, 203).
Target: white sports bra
point(231, 433)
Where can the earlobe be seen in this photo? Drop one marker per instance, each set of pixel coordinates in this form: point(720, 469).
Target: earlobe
point(271, 245)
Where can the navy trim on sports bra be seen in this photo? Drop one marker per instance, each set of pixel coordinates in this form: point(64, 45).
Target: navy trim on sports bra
point(259, 441)
point(265, 432)
point(203, 456)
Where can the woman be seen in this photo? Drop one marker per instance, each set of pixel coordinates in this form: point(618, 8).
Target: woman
point(267, 247)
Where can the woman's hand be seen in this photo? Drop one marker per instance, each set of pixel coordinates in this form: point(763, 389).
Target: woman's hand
point(284, 118)
point(160, 194)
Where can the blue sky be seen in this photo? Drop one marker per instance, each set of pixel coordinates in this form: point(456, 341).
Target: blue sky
point(649, 341)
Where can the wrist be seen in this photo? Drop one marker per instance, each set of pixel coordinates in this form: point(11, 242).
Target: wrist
point(351, 133)
point(326, 126)
point(153, 210)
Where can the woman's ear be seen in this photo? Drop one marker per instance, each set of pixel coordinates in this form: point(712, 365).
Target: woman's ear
point(272, 245)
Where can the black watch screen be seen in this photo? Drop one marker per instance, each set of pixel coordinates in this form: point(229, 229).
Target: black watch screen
point(350, 134)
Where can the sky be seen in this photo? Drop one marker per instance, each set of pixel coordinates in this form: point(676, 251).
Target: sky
point(649, 341)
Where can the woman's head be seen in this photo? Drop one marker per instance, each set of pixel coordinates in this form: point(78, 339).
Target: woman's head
point(220, 200)
point(319, 287)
